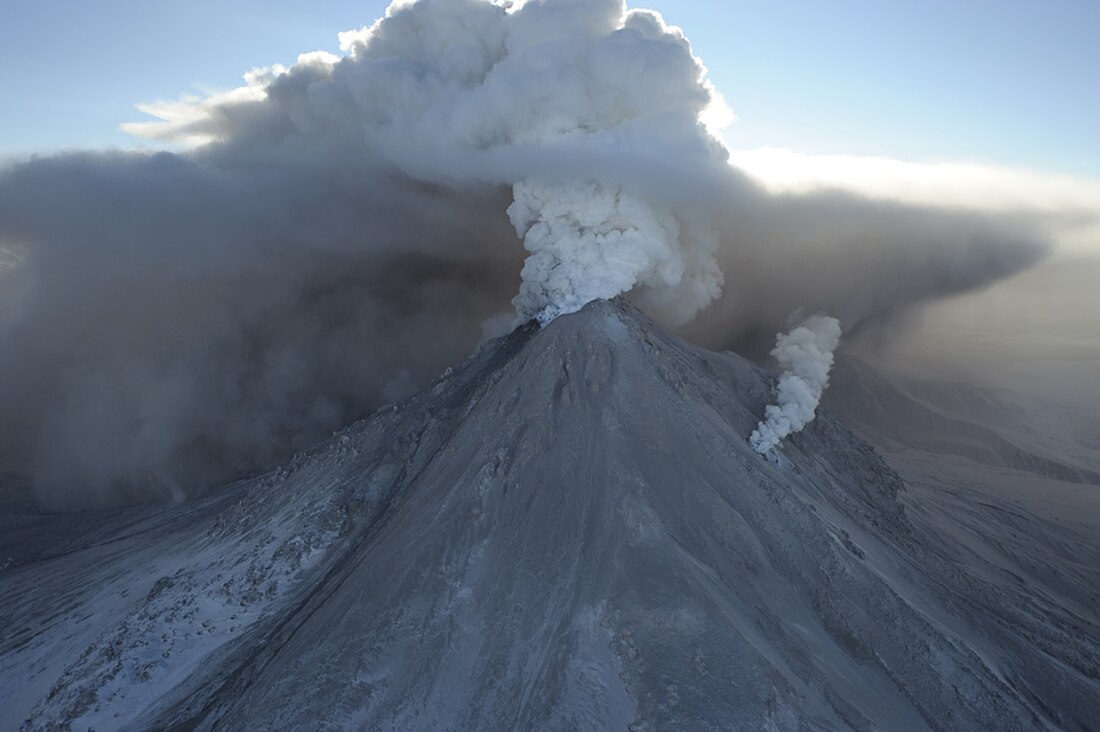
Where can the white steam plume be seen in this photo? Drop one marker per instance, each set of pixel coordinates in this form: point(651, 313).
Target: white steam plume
point(564, 100)
point(806, 357)
point(589, 241)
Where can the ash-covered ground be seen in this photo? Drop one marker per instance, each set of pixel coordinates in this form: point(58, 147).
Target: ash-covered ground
point(570, 530)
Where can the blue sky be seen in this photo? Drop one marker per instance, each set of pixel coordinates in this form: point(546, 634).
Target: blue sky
point(1014, 83)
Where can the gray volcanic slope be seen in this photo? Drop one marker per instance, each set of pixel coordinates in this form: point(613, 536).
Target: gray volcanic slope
point(568, 531)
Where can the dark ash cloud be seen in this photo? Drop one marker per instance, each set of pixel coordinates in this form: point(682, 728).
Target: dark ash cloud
point(173, 321)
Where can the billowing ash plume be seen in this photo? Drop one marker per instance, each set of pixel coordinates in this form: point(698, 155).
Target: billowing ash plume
point(348, 225)
point(568, 102)
point(588, 242)
point(806, 357)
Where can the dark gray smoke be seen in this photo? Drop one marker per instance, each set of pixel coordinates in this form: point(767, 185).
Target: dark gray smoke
point(866, 262)
point(176, 323)
point(171, 321)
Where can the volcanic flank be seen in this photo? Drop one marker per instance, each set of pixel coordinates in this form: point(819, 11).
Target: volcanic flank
point(567, 531)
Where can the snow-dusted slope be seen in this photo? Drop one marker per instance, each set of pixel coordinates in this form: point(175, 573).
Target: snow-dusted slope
point(568, 531)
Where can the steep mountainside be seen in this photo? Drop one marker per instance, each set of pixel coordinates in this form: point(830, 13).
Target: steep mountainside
point(567, 531)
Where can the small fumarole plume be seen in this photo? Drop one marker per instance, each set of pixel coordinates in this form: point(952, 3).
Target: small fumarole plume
point(805, 356)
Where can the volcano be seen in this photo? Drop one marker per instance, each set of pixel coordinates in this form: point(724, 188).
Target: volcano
point(567, 531)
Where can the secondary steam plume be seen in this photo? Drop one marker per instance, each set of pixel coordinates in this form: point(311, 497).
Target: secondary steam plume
point(348, 224)
point(806, 357)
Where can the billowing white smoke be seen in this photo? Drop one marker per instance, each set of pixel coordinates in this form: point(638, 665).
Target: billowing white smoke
point(806, 357)
point(589, 241)
point(576, 104)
